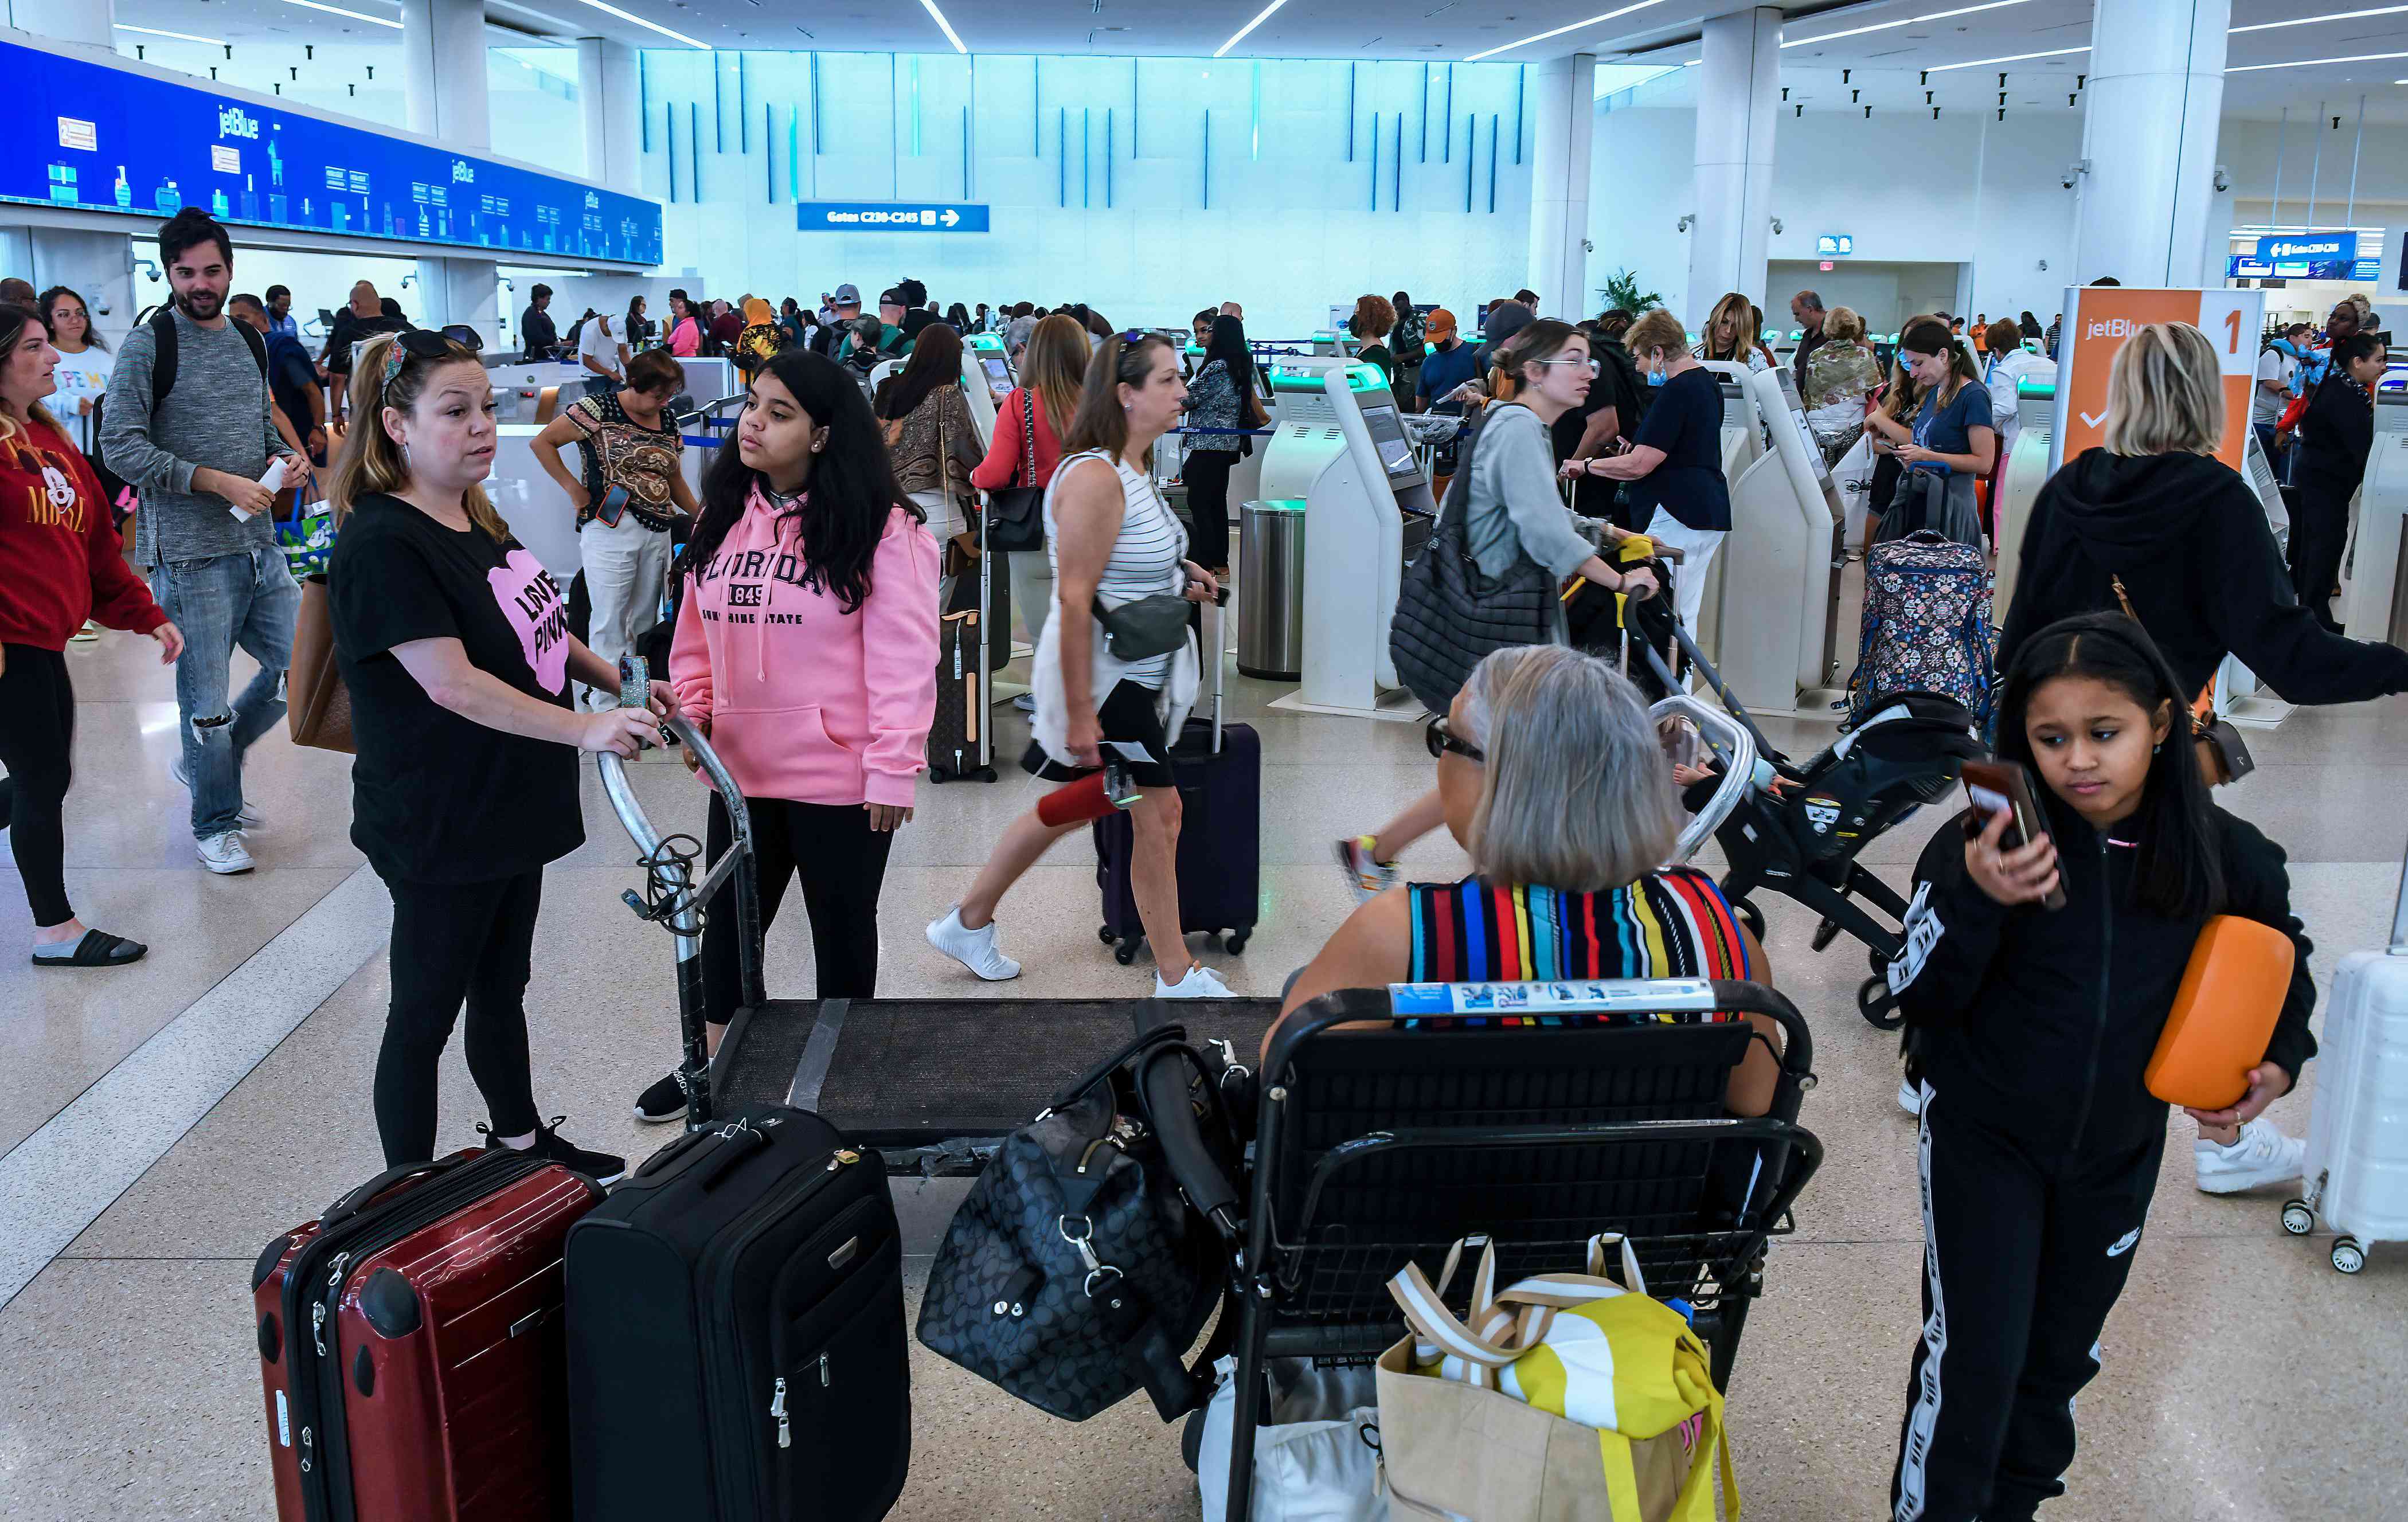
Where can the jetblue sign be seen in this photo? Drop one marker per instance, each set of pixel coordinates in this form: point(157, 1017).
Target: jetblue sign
point(1835, 245)
point(888, 217)
point(2309, 248)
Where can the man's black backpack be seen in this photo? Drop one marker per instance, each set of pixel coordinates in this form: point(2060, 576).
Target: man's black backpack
point(161, 324)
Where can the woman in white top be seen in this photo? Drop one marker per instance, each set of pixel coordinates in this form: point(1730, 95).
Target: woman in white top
point(84, 362)
point(1103, 717)
point(2009, 364)
point(604, 355)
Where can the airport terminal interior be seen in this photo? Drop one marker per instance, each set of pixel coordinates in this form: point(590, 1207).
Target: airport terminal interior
point(348, 688)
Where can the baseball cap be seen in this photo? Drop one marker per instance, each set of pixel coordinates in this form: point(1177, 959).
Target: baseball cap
point(892, 298)
point(848, 295)
point(1439, 325)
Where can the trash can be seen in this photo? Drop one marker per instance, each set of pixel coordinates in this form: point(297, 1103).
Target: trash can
point(1271, 589)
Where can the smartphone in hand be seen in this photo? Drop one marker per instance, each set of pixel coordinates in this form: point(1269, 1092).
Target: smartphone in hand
point(1996, 787)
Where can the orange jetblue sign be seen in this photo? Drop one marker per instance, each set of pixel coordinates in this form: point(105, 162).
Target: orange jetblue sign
point(2098, 320)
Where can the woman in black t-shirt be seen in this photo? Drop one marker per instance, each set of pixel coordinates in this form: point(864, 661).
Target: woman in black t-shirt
point(455, 648)
point(1675, 465)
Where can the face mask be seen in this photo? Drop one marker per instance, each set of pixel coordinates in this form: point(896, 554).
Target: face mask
point(1655, 378)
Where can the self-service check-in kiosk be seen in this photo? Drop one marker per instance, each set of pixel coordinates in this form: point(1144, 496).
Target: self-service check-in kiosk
point(1341, 448)
point(1778, 568)
point(2374, 605)
point(1744, 435)
point(2026, 472)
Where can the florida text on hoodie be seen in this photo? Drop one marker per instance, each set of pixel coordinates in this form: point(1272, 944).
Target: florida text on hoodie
point(805, 701)
point(2190, 542)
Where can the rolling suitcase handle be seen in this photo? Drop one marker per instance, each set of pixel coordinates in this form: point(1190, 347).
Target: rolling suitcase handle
point(672, 896)
point(352, 1201)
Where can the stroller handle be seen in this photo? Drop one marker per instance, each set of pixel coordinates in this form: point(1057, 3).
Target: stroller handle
point(1734, 744)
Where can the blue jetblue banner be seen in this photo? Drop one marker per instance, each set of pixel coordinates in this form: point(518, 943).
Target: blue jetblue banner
point(2308, 248)
point(98, 138)
point(889, 217)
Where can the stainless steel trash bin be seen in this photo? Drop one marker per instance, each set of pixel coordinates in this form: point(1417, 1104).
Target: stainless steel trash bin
point(1271, 589)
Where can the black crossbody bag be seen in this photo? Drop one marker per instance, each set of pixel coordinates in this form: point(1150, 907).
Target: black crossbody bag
point(1015, 520)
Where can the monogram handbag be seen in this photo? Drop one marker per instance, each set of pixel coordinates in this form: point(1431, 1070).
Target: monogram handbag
point(1076, 1272)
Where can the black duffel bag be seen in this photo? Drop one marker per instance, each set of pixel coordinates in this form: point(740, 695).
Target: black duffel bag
point(1075, 1271)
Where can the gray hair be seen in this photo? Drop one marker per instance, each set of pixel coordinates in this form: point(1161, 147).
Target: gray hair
point(1575, 795)
point(1809, 300)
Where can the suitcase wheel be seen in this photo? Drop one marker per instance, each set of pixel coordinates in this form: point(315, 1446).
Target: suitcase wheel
point(2347, 1256)
point(1104, 934)
point(1125, 951)
point(983, 774)
point(1238, 939)
point(2297, 1219)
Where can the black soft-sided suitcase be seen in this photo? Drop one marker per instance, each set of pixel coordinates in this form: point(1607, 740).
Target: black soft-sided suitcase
point(736, 1350)
point(1220, 771)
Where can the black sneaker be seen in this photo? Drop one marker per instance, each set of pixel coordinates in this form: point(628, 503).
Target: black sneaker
point(551, 1146)
point(663, 1102)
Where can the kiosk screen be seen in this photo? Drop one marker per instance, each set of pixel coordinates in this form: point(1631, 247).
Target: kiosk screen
point(1388, 437)
point(998, 375)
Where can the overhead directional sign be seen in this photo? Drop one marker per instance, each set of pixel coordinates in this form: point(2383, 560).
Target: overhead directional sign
point(2309, 248)
point(889, 217)
point(1835, 245)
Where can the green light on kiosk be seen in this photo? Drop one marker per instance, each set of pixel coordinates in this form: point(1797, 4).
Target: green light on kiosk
point(2032, 385)
point(1358, 377)
point(986, 343)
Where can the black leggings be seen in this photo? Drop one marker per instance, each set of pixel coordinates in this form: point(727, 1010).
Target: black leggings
point(843, 863)
point(455, 941)
point(2319, 534)
point(1207, 473)
point(36, 745)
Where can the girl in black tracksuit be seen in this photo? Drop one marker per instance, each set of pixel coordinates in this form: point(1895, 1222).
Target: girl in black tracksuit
point(2040, 1144)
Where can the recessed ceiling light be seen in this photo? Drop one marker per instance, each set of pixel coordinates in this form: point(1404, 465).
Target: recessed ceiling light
point(1261, 16)
point(2011, 58)
point(2312, 63)
point(951, 35)
point(1559, 31)
point(650, 26)
point(179, 37)
point(338, 10)
point(1904, 21)
point(2311, 20)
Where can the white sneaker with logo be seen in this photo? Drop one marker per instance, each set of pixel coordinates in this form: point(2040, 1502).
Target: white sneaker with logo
point(1202, 982)
point(2262, 1156)
point(1910, 1097)
point(973, 949)
point(223, 855)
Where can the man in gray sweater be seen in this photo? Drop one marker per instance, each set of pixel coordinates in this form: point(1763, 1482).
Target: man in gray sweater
point(205, 529)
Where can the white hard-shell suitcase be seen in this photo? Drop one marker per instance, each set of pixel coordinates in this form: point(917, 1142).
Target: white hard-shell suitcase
point(2357, 1167)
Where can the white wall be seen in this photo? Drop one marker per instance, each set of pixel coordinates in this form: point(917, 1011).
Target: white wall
point(1974, 191)
point(1288, 231)
point(1884, 295)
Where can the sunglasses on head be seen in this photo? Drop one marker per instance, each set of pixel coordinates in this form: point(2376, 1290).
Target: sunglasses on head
point(1441, 739)
point(424, 342)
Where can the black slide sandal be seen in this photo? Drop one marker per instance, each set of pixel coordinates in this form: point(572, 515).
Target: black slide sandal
point(98, 948)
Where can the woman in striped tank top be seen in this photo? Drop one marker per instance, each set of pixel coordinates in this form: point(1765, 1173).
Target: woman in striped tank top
point(1113, 542)
point(1552, 779)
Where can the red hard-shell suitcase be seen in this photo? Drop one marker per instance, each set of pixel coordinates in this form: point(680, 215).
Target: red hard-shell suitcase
point(410, 1345)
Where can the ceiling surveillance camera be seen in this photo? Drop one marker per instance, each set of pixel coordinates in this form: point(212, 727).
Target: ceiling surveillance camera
point(2223, 180)
point(2073, 173)
point(1682, 226)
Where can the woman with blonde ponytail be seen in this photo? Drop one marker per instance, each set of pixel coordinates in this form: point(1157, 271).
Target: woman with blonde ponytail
point(455, 648)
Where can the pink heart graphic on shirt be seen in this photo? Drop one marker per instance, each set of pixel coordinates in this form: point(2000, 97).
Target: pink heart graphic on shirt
point(531, 601)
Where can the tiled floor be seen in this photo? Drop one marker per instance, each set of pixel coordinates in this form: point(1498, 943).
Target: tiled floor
point(2244, 1378)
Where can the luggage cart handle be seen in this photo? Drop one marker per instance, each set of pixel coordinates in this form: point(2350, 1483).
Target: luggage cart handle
point(671, 881)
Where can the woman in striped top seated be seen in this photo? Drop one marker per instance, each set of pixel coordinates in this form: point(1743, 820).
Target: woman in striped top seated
point(1552, 779)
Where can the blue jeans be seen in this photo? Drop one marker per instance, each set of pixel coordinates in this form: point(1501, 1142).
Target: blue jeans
point(219, 602)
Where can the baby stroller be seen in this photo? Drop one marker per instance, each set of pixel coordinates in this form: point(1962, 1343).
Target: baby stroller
point(1803, 839)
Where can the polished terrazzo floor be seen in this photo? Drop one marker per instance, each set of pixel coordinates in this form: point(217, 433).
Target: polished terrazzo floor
point(158, 1123)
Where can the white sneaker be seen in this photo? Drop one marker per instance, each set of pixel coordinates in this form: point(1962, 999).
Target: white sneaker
point(247, 817)
point(2262, 1156)
point(1910, 1097)
point(1202, 982)
point(1368, 878)
point(973, 949)
point(223, 855)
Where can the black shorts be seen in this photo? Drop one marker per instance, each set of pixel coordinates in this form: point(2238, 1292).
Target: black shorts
point(1132, 732)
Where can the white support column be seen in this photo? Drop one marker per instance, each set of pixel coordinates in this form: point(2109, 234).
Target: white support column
point(443, 71)
point(611, 92)
point(2149, 128)
point(1738, 98)
point(1560, 171)
point(88, 23)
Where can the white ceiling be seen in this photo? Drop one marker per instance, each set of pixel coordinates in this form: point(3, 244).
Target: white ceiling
point(1887, 63)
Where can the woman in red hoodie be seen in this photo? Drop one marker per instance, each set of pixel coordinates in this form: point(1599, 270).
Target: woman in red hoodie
point(806, 647)
point(64, 566)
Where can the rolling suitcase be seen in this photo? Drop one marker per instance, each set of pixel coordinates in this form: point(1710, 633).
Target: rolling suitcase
point(1220, 771)
point(410, 1341)
point(961, 739)
point(2356, 1168)
point(736, 1334)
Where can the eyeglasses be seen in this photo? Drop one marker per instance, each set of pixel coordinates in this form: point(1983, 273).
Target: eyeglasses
point(1593, 368)
point(423, 341)
point(1440, 738)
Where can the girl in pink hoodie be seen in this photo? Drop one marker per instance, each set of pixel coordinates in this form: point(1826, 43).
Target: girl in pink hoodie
point(807, 648)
